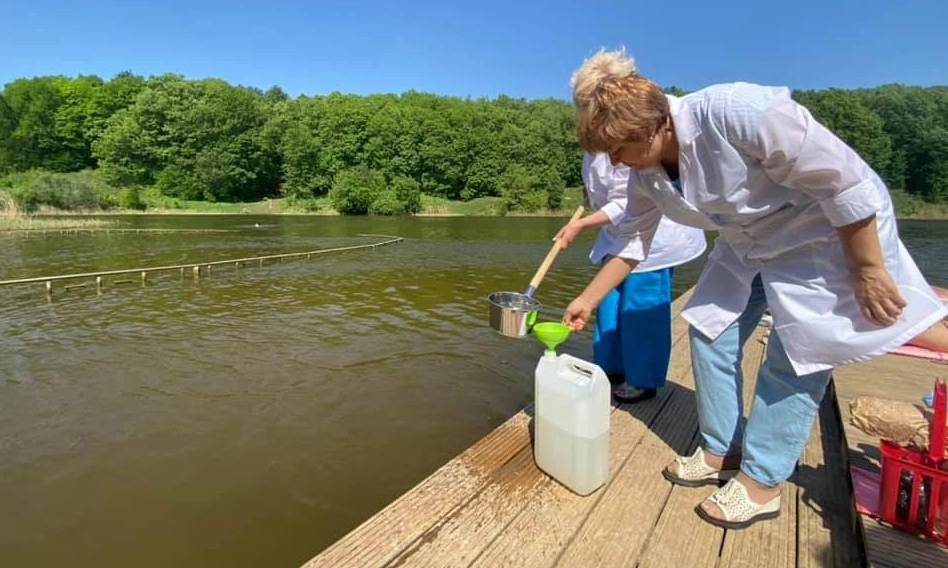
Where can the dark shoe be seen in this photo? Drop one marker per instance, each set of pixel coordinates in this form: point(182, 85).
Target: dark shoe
point(616, 379)
point(627, 393)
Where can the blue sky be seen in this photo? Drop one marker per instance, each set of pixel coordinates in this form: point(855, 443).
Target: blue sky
point(482, 48)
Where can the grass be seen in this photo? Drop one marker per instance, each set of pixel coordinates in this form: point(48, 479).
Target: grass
point(81, 193)
point(12, 219)
point(431, 206)
point(494, 206)
point(279, 206)
point(35, 224)
point(908, 206)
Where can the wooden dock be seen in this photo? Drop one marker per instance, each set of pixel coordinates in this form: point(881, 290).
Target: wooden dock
point(894, 378)
point(491, 506)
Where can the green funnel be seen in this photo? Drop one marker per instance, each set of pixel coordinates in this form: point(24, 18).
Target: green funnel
point(551, 334)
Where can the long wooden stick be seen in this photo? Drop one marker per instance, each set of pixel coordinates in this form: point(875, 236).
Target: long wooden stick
point(550, 257)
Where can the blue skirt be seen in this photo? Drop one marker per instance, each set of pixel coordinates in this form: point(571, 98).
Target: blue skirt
point(632, 336)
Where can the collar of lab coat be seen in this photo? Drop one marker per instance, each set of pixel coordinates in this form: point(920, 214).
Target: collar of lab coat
point(686, 129)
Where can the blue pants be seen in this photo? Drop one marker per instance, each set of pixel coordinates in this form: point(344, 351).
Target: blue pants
point(784, 403)
point(633, 329)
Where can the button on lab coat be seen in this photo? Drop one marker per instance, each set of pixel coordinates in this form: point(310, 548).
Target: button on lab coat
point(775, 183)
point(607, 190)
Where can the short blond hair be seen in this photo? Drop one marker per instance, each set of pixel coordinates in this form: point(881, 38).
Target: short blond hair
point(614, 104)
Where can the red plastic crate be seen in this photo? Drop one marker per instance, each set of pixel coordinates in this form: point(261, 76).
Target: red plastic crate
point(914, 488)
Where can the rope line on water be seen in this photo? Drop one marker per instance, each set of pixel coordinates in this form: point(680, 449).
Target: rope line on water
point(195, 266)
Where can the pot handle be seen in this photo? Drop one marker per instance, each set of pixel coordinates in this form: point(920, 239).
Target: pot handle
point(548, 261)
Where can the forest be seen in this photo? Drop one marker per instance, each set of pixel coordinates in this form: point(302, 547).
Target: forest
point(133, 142)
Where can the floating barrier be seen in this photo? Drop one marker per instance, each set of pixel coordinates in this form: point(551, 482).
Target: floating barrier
point(196, 268)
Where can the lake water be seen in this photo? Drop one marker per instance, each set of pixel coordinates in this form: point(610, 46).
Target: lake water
point(254, 417)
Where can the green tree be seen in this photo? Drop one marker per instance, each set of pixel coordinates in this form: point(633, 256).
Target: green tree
point(194, 140)
point(521, 190)
point(911, 117)
point(934, 146)
point(34, 142)
point(407, 193)
point(7, 127)
point(551, 182)
point(108, 99)
point(354, 190)
point(72, 120)
point(844, 113)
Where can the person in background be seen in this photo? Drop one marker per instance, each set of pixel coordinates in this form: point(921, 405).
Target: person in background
point(632, 336)
point(805, 228)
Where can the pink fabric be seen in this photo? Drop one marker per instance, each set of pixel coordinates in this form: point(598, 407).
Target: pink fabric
point(866, 490)
point(920, 352)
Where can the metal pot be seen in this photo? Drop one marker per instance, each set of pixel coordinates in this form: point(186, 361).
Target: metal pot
point(512, 313)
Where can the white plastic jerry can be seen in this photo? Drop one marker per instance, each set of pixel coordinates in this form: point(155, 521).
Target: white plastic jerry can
point(571, 422)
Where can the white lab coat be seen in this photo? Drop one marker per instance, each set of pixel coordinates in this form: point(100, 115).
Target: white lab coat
point(775, 183)
point(607, 191)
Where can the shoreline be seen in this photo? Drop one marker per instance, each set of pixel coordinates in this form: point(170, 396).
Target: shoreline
point(135, 212)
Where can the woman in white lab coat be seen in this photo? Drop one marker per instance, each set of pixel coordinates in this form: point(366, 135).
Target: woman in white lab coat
point(806, 229)
point(632, 335)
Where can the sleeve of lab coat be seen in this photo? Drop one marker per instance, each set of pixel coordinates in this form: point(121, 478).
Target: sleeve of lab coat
point(638, 222)
point(617, 196)
point(798, 152)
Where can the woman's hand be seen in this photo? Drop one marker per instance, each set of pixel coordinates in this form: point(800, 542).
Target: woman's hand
point(577, 313)
point(876, 292)
point(568, 233)
point(877, 295)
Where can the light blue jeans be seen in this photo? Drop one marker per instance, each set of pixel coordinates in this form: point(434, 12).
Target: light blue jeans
point(784, 403)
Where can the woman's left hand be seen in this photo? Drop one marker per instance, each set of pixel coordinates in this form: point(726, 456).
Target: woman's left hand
point(578, 313)
point(877, 295)
point(568, 233)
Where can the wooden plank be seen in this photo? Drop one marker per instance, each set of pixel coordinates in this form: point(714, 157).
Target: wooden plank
point(615, 531)
point(772, 543)
point(389, 531)
point(415, 516)
point(890, 377)
point(887, 547)
point(895, 378)
point(773, 540)
point(459, 536)
point(547, 524)
point(680, 537)
point(828, 535)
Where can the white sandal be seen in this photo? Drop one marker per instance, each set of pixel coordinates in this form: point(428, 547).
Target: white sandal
point(737, 507)
point(694, 471)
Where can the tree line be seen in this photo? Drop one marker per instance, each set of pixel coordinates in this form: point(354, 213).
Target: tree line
point(169, 137)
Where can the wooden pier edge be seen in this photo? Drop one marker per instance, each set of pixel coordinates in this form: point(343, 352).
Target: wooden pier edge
point(490, 506)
